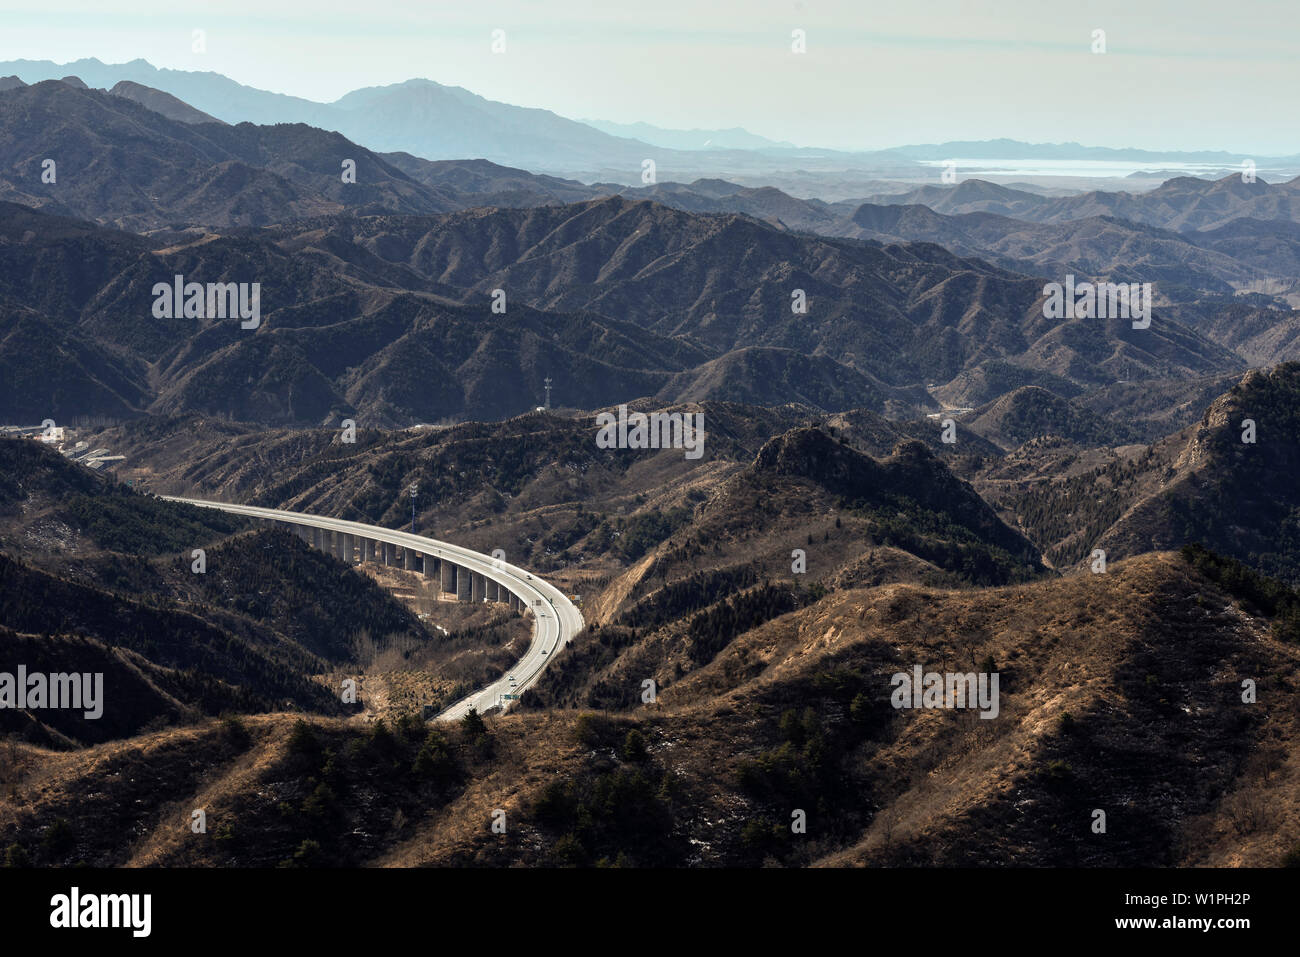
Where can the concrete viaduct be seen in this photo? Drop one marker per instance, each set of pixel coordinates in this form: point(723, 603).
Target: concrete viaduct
point(467, 575)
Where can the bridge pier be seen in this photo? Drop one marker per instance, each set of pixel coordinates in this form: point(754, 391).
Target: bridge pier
point(452, 579)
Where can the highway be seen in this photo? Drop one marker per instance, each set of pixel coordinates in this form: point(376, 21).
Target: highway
point(555, 619)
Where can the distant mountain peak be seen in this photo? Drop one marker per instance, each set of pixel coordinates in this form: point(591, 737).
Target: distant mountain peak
point(974, 188)
point(160, 102)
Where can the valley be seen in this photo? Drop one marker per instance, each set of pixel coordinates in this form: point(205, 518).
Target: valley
point(394, 491)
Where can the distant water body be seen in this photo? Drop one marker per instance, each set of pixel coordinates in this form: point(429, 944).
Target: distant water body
point(969, 167)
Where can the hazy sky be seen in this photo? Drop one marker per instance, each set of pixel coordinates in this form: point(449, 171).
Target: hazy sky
point(1176, 75)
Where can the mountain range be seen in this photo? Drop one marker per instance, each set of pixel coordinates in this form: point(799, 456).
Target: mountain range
point(907, 461)
point(684, 298)
point(434, 121)
point(390, 318)
point(773, 685)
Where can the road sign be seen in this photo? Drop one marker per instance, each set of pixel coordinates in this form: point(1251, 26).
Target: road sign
point(511, 697)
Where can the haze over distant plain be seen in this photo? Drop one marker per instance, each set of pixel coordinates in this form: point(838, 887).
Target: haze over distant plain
point(872, 77)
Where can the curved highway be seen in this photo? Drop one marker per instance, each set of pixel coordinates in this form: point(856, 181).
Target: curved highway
point(555, 619)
